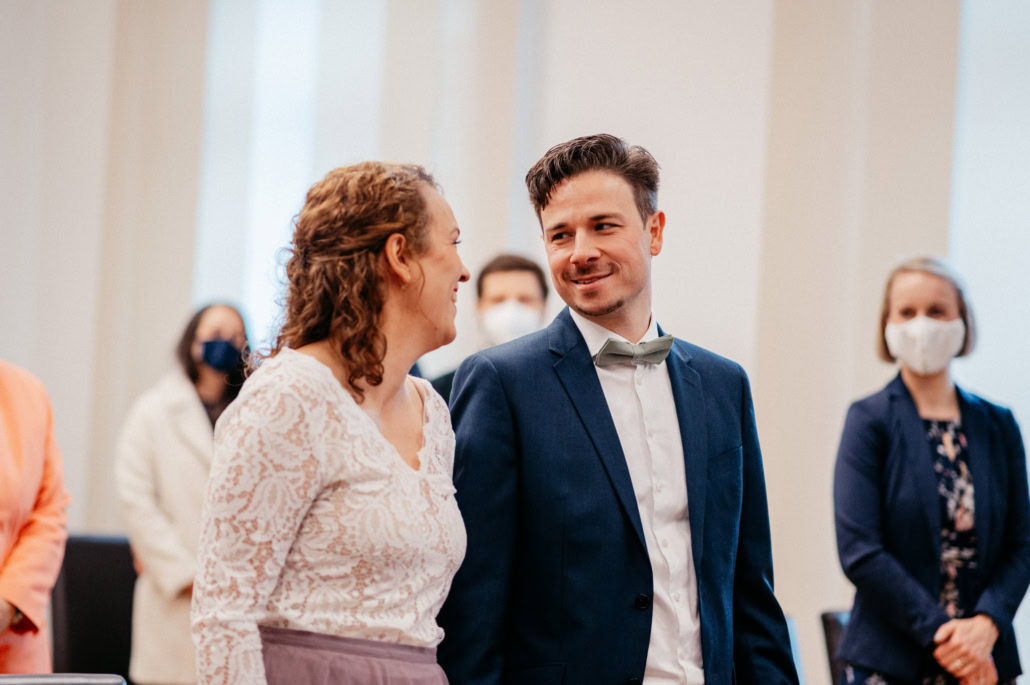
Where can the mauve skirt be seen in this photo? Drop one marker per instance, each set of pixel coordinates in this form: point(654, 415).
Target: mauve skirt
point(297, 657)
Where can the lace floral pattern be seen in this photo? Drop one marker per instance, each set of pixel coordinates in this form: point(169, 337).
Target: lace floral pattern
point(314, 522)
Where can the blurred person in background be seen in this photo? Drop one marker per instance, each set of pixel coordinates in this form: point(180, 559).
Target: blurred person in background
point(930, 498)
point(511, 293)
point(33, 507)
point(330, 530)
point(162, 462)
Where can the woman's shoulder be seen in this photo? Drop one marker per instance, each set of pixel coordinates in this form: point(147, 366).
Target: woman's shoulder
point(873, 409)
point(156, 402)
point(290, 383)
point(291, 373)
point(996, 414)
point(980, 402)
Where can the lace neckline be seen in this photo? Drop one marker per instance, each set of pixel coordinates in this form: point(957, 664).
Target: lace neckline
point(348, 400)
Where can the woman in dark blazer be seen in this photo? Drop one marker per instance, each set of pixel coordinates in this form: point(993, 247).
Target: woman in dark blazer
point(931, 507)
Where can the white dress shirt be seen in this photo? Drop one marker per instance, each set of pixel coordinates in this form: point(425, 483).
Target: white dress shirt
point(639, 397)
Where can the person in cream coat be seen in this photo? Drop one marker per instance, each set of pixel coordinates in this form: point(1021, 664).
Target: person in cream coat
point(162, 463)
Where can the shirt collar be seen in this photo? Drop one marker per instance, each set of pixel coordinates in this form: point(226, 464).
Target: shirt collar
point(597, 335)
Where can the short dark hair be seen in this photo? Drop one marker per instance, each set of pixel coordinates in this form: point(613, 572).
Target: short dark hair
point(184, 352)
point(601, 152)
point(511, 262)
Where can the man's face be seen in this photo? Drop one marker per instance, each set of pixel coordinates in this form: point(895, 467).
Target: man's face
point(521, 286)
point(599, 249)
point(510, 306)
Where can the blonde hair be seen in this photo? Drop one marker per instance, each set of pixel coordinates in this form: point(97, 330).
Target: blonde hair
point(934, 267)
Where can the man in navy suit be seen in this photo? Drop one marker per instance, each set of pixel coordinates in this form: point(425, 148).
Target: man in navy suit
point(609, 476)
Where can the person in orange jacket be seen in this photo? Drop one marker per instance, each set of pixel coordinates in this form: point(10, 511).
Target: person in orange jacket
point(33, 506)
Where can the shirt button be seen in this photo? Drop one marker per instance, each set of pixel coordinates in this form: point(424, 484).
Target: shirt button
point(676, 596)
point(658, 487)
point(665, 543)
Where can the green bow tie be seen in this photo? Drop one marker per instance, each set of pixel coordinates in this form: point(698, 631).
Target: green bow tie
point(621, 352)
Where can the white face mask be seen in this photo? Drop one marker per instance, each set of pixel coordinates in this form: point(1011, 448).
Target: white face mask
point(925, 345)
point(508, 320)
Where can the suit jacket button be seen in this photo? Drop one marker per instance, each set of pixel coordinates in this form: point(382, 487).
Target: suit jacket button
point(642, 602)
point(634, 681)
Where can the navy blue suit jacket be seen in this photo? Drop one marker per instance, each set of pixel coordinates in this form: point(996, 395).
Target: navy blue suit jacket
point(889, 521)
point(556, 584)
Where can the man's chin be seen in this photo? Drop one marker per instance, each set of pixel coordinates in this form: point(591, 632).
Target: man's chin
point(596, 310)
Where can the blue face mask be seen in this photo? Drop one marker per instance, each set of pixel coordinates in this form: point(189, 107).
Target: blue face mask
point(221, 355)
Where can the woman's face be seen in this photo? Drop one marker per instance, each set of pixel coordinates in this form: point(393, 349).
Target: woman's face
point(914, 293)
point(218, 323)
point(442, 270)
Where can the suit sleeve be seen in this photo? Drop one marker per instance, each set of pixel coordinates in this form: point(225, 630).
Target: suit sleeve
point(1008, 584)
point(761, 643)
point(857, 504)
point(475, 615)
point(31, 567)
point(155, 542)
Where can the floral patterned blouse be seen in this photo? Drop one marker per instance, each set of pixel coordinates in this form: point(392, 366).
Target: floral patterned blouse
point(958, 542)
point(958, 516)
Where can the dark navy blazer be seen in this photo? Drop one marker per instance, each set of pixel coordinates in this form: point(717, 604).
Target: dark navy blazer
point(556, 584)
point(889, 521)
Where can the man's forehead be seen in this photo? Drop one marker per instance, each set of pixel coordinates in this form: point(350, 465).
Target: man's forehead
point(588, 195)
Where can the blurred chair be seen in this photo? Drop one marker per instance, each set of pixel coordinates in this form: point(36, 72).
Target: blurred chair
point(62, 679)
point(833, 629)
point(795, 648)
point(92, 610)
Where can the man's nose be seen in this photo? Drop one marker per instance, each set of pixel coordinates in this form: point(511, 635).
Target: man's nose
point(585, 248)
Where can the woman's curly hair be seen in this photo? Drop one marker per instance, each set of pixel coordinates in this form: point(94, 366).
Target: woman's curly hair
point(335, 275)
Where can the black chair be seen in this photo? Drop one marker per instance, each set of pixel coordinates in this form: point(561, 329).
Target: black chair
point(62, 679)
point(833, 629)
point(92, 610)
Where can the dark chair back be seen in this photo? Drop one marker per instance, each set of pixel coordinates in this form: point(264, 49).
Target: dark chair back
point(92, 609)
point(62, 679)
point(833, 629)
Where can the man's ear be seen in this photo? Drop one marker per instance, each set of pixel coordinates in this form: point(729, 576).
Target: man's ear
point(656, 227)
point(397, 261)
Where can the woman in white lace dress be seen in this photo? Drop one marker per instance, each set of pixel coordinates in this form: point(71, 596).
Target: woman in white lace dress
point(330, 531)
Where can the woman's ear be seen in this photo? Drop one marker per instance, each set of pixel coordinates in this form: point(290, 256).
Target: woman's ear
point(397, 262)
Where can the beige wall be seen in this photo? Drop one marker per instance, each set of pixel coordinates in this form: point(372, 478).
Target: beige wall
point(805, 147)
point(100, 136)
point(857, 176)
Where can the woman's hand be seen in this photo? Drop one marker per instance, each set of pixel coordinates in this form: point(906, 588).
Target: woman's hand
point(964, 645)
point(986, 675)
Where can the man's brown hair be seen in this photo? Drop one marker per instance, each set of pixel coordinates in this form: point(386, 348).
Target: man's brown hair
point(511, 262)
point(601, 152)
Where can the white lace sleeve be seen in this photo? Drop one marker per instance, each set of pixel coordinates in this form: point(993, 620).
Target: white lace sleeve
point(267, 471)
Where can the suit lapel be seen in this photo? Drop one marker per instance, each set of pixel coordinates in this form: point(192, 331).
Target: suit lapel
point(909, 425)
point(978, 446)
point(578, 377)
point(688, 394)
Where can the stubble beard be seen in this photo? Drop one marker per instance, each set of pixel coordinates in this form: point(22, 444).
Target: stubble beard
point(602, 311)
